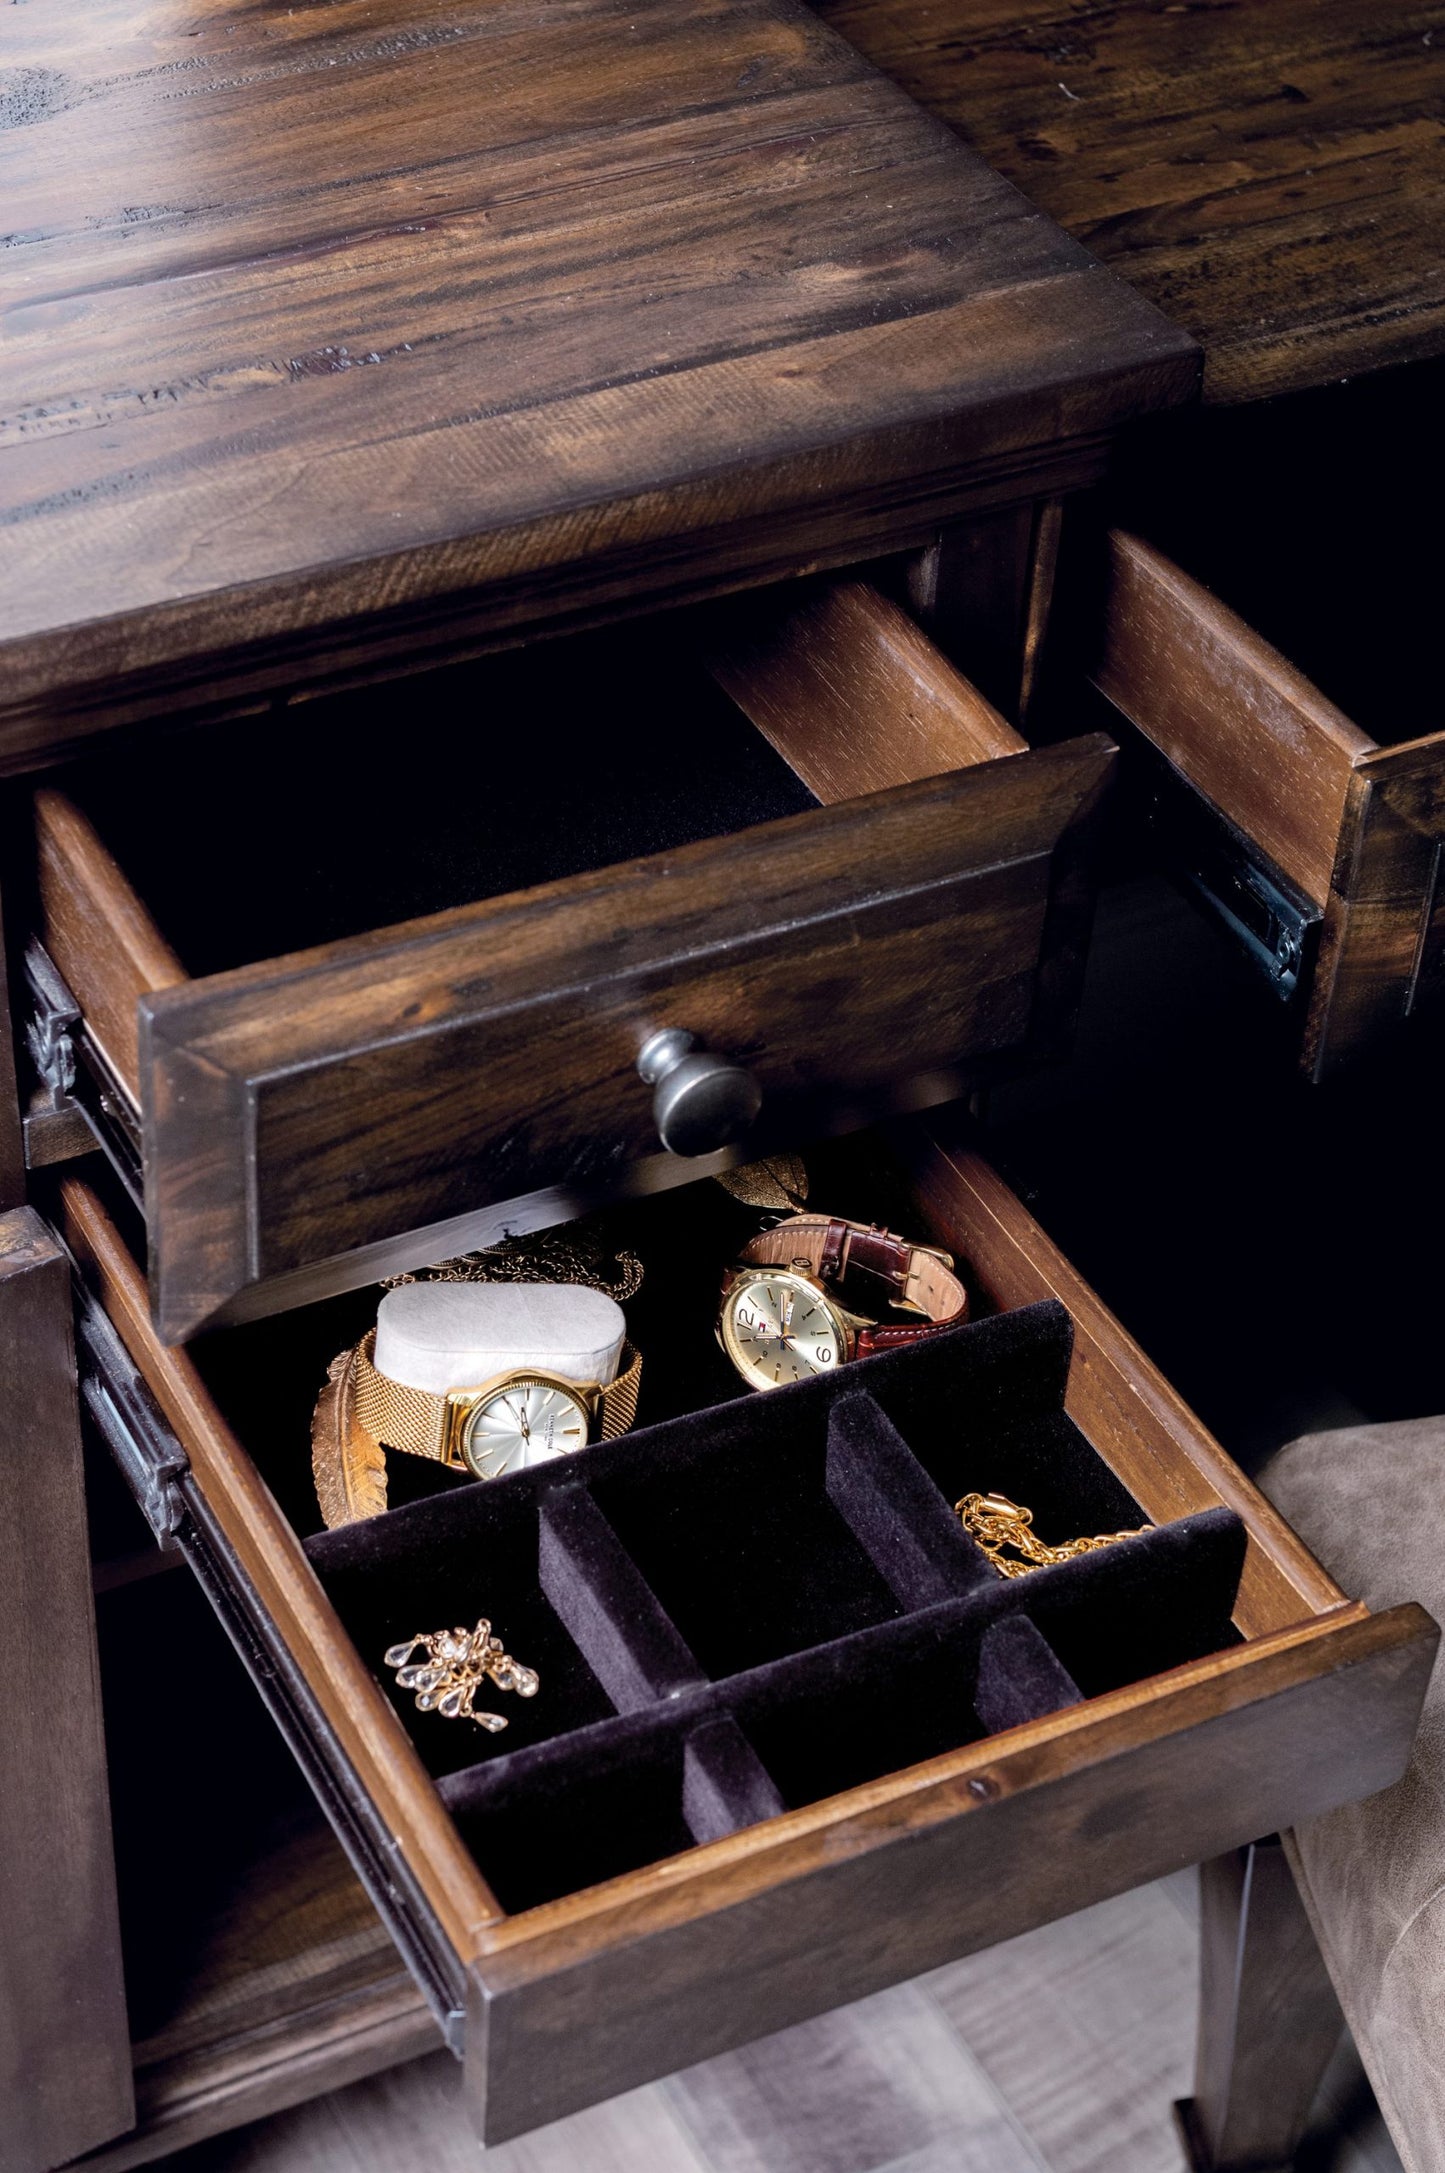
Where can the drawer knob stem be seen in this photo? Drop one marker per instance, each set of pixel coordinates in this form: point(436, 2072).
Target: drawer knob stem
point(700, 1101)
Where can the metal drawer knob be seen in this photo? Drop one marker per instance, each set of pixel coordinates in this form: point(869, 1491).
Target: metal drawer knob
point(700, 1101)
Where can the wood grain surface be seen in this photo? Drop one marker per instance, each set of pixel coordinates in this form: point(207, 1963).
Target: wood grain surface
point(855, 697)
point(99, 933)
point(1233, 716)
point(65, 2069)
point(318, 318)
point(1271, 173)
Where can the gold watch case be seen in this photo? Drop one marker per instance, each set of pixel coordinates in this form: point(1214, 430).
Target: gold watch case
point(519, 1419)
point(779, 1325)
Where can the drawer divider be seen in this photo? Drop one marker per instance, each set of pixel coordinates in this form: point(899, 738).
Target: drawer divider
point(606, 1606)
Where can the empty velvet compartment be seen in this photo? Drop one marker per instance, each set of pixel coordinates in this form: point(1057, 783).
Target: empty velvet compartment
point(565, 1815)
point(743, 1545)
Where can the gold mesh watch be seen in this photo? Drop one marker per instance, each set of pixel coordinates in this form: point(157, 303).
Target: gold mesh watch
point(518, 1418)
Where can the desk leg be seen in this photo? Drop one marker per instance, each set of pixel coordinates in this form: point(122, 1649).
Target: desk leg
point(1269, 2021)
point(65, 2068)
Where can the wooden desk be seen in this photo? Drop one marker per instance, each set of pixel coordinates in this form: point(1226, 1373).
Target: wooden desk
point(332, 335)
point(1271, 173)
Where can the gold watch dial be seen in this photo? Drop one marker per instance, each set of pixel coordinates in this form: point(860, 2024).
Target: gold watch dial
point(527, 1422)
point(777, 1327)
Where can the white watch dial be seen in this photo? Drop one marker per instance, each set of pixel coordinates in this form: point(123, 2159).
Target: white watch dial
point(777, 1328)
point(525, 1423)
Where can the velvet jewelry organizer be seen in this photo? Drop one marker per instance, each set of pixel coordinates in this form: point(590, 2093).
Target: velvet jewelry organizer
point(747, 1608)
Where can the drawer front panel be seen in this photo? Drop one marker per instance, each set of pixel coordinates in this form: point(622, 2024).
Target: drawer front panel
point(857, 957)
point(977, 1856)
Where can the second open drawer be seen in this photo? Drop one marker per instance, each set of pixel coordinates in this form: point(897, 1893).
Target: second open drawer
point(795, 1740)
point(1270, 629)
point(381, 988)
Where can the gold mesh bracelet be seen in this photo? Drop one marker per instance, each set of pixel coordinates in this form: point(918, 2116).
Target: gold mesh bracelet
point(416, 1419)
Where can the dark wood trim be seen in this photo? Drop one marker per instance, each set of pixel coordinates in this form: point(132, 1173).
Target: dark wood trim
point(246, 674)
point(1048, 534)
point(65, 2060)
point(1382, 946)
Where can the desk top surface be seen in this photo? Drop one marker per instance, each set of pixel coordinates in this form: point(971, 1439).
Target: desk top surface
point(1270, 172)
point(319, 317)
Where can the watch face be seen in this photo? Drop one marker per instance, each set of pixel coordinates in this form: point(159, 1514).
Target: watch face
point(524, 1423)
point(777, 1328)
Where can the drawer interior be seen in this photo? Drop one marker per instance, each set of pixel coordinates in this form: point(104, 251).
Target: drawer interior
point(333, 817)
point(749, 1609)
point(1309, 517)
point(752, 1602)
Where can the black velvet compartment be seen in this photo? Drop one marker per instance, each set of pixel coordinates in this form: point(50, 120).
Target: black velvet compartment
point(394, 801)
point(749, 1607)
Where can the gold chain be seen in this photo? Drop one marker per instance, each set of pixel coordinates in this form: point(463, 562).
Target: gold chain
point(547, 1257)
point(1005, 1533)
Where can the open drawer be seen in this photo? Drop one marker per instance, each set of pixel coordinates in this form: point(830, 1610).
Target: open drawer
point(795, 1739)
point(376, 983)
point(1279, 652)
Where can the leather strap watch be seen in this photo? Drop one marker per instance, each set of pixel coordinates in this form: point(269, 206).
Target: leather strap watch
point(782, 1315)
point(515, 1419)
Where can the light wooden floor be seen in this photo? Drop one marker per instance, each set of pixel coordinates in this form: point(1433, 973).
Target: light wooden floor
point(1058, 2053)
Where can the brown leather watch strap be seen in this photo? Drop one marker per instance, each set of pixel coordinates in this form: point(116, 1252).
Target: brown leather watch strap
point(833, 1250)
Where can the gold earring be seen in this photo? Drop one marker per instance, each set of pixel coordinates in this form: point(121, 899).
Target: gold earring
point(457, 1664)
point(1005, 1533)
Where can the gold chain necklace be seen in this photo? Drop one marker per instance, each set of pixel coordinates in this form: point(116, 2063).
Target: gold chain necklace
point(546, 1257)
point(1005, 1533)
